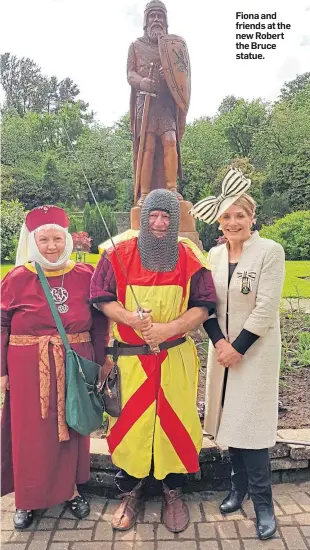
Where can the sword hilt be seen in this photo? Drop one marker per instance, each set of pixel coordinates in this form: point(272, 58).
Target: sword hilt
point(152, 69)
point(148, 93)
point(154, 349)
point(151, 74)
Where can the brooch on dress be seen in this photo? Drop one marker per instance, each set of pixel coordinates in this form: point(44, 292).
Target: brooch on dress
point(246, 281)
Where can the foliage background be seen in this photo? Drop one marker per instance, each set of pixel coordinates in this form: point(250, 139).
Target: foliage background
point(270, 142)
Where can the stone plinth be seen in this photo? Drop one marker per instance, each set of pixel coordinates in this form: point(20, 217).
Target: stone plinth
point(214, 471)
point(135, 216)
point(187, 222)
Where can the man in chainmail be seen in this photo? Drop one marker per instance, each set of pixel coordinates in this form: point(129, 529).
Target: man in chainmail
point(158, 430)
point(158, 238)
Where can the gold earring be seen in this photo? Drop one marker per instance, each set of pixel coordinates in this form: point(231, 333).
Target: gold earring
point(220, 228)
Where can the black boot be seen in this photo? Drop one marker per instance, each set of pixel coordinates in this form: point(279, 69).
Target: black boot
point(259, 473)
point(239, 483)
point(265, 522)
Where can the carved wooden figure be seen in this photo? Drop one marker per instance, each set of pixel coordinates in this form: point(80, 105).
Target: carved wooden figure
point(158, 71)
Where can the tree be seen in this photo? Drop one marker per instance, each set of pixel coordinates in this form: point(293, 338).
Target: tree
point(51, 179)
point(107, 159)
point(12, 217)
point(27, 89)
point(281, 148)
point(122, 128)
point(290, 88)
point(293, 233)
point(291, 176)
point(228, 104)
point(94, 226)
point(273, 207)
point(38, 181)
point(240, 125)
point(124, 195)
point(86, 216)
point(81, 244)
point(208, 234)
point(204, 149)
point(20, 79)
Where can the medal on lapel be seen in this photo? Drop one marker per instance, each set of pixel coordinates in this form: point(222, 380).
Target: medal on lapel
point(246, 281)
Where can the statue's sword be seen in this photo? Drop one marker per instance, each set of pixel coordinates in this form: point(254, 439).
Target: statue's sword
point(140, 309)
point(146, 108)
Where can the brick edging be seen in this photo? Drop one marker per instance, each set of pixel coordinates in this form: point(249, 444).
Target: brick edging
point(289, 463)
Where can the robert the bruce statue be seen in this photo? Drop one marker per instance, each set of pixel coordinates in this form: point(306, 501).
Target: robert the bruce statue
point(158, 71)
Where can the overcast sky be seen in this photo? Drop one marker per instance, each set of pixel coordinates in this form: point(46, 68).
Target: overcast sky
point(88, 41)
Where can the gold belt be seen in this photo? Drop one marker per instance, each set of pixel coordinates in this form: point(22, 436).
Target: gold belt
point(44, 370)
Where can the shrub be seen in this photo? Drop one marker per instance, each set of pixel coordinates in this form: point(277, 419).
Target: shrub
point(303, 354)
point(208, 234)
point(81, 244)
point(94, 225)
point(12, 217)
point(293, 233)
point(76, 223)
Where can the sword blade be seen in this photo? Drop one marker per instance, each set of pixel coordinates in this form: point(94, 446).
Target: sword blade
point(145, 115)
point(140, 309)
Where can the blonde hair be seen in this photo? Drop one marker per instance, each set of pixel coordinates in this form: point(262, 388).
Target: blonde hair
point(248, 204)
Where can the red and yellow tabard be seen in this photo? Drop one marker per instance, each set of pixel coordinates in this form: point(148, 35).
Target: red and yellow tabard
point(159, 419)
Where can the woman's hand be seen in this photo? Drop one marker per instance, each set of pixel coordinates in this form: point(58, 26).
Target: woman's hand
point(226, 355)
point(5, 383)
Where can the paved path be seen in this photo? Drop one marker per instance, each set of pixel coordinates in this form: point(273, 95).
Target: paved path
point(209, 530)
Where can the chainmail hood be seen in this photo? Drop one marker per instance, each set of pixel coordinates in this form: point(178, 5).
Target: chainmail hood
point(159, 254)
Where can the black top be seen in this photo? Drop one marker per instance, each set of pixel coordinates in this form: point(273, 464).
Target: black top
point(243, 341)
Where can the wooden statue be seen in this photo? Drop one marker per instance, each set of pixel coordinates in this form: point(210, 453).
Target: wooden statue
point(158, 71)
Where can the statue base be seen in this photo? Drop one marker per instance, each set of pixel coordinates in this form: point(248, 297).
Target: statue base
point(187, 226)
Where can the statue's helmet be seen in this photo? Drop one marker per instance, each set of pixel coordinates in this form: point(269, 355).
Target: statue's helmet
point(154, 5)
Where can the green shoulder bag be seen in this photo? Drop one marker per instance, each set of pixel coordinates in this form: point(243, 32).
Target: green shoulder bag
point(84, 404)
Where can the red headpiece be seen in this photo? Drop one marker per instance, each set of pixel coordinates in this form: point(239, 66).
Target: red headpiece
point(46, 214)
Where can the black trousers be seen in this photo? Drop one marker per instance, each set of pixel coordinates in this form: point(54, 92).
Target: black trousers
point(251, 472)
point(126, 483)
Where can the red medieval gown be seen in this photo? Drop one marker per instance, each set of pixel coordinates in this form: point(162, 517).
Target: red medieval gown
point(41, 469)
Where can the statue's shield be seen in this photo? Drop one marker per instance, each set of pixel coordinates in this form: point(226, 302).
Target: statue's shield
point(175, 62)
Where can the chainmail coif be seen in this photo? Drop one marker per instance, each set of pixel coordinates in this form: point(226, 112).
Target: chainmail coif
point(159, 254)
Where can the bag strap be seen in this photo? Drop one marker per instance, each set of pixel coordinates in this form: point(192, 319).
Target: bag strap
point(51, 303)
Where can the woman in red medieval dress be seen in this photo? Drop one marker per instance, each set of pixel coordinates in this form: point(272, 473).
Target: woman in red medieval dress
point(42, 459)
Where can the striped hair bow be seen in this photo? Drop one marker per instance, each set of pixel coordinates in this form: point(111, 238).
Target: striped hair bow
point(211, 208)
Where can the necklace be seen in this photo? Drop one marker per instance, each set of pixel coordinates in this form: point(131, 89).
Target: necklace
point(60, 295)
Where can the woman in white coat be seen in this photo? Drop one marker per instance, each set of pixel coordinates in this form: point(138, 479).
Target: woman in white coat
point(244, 356)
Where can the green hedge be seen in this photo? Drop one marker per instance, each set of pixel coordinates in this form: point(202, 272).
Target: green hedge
point(12, 217)
point(293, 232)
point(93, 224)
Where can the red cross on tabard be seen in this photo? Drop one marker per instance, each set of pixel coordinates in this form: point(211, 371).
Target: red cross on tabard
point(149, 391)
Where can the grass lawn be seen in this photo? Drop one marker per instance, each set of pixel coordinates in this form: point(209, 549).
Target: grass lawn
point(294, 286)
point(89, 259)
